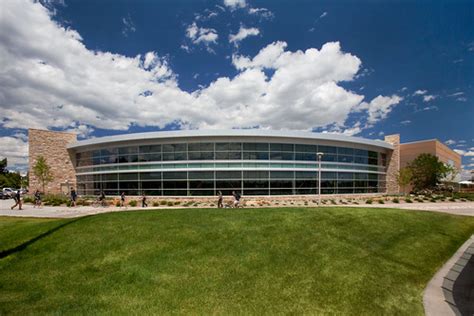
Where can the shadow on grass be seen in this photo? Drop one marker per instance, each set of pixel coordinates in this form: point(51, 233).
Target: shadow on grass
point(24, 245)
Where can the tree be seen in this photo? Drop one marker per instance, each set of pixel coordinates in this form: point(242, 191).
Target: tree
point(3, 166)
point(8, 179)
point(427, 172)
point(42, 171)
point(404, 177)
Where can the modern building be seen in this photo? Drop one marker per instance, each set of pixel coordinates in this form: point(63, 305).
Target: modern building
point(200, 163)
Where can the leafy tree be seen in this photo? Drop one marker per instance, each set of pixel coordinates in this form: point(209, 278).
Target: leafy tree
point(427, 172)
point(42, 171)
point(3, 166)
point(404, 177)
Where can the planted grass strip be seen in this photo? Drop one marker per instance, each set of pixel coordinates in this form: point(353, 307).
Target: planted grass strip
point(291, 260)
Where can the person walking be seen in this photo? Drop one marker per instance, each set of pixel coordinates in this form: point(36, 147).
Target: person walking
point(73, 197)
point(17, 198)
point(37, 199)
point(144, 204)
point(237, 197)
point(220, 200)
point(122, 199)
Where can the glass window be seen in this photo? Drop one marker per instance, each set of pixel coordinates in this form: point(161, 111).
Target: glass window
point(345, 175)
point(373, 154)
point(327, 157)
point(150, 175)
point(345, 184)
point(345, 151)
point(306, 183)
point(327, 149)
point(281, 191)
point(361, 160)
point(175, 192)
point(228, 174)
point(201, 155)
point(361, 176)
point(347, 159)
point(282, 156)
point(201, 184)
point(306, 175)
point(306, 148)
point(128, 185)
point(233, 184)
point(174, 147)
point(201, 147)
point(281, 147)
point(256, 174)
point(255, 155)
point(201, 175)
point(174, 175)
point(328, 183)
point(256, 146)
point(175, 184)
point(281, 183)
point(110, 177)
point(128, 176)
point(151, 185)
point(256, 192)
point(144, 149)
point(361, 152)
point(174, 156)
point(255, 184)
point(305, 156)
point(282, 174)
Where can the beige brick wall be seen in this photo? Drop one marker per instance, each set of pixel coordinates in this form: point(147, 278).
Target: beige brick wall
point(52, 146)
point(393, 164)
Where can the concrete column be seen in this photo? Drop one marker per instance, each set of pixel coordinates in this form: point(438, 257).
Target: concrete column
point(52, 146)
point(393, 164)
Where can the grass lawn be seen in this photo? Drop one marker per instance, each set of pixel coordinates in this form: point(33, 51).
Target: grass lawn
point(248, 261)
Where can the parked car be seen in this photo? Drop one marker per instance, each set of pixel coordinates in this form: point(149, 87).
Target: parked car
point(3, 196)
point(7, 192)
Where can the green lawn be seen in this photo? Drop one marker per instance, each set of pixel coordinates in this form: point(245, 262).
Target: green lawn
point(248, 261)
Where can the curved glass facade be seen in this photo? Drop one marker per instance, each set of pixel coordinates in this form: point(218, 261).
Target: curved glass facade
point(253, 168)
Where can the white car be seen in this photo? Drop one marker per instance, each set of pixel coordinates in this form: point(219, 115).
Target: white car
point(7, 192)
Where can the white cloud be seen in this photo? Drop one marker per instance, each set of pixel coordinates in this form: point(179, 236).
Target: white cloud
point(128, 26)
point(461, 99)
point(235, 4)
point(428, 98)
point(379, 107)
point(262, 12)
point(456, 94)
point(450, 142)
point(406, 122)
point(50, 79)
point(15, 149)
point(201, 34)
point(242, 34)
point(420, 92)
point(323, 15)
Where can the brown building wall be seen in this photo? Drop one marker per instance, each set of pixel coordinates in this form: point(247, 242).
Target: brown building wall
point(409, 151)
point(52, 146)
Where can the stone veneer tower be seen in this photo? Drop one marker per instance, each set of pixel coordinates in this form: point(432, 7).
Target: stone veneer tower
point(393, 164)
point(52, 146)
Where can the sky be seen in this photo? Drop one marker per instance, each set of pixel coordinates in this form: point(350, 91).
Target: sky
point(359, 68)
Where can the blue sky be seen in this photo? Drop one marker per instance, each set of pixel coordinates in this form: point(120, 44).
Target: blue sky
point(362, 68)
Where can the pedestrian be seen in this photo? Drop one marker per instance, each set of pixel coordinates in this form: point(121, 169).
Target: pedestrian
point(102, 198)
point(237, 197)
point(220, 200)
point(17, 198)
point(73, 197)
point(144, 204)
point(122, 199)
point(37, 199)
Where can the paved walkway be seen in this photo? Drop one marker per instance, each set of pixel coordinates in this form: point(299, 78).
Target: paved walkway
point(458, 208)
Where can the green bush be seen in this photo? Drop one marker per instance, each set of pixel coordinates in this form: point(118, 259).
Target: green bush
point(132, 203)
point(55, 200)
point(177, 202)
point(333, 202)
point(156, 203)
point(381, 202)
point(408, 200)
point(28, 199)
point(163, 202)
point(170, 203)
point(117, 204)
point(433, 200)
point(452, 200)
point(396, 200)
point(369, 201)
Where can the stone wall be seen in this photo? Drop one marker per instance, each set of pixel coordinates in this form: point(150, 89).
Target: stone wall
point(52, 146)
point(393, 164)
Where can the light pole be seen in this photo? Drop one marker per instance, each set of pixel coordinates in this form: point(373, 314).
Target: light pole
point(320, 155)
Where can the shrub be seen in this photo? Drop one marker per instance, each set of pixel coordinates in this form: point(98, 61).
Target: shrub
point(369, 201)
point(28, 199)
point(163, 202)
point(408, 200)
point(156, 203)
point(433, 200)
point(170, 203)
point(452, 200)
point(132, 203)
point(177, 202)
point(117, 204)
point(55, 200)
point(355, 202)
point(396, 200)
point(333, 202)
point(381, 202)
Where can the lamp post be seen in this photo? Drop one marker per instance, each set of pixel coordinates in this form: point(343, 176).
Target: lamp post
point(320, 155)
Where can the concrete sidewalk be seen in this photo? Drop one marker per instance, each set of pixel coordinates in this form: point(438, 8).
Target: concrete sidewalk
point(458, 208)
